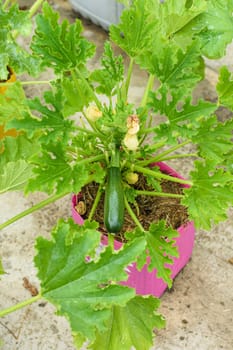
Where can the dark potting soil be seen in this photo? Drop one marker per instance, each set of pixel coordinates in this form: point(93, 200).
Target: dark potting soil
point(148, 209)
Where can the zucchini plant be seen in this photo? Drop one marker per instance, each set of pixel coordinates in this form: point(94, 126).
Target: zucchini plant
point(68, 138)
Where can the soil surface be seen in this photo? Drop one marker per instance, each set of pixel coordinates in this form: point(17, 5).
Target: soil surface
point(198, 310)
point(148, 209)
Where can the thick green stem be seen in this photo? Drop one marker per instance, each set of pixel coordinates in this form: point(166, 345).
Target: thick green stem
point(147, 90)
point(96, 202)
point(160, 175)
point(31, 210)
point(35, 7)
point(33, 82)
point(162, 155)
point(158, 194)
point(115, 157)
point(127, 82)
point(133, 216)
point(20, 305)
point(176, 156)
point(91, 159)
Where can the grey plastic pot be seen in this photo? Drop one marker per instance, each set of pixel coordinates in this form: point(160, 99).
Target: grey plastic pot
point(100, 12)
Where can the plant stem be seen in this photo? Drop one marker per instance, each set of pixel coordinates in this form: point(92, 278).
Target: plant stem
point(159, 194)
point(161, 156)
point(33, 82)
point(160, 175)
point(20, 305)
point(111, 241)
point(6, 3)
point(96, 202)
point(35, 207)
point(147, 90)
point(35, 7)
point(133, 216)
point(91, 159)
point(175, 156)
point(127, 82)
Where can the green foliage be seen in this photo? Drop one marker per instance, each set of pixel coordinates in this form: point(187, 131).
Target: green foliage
point(160, 246)
point(225, 87)
point(128, 326)
point(51, 124)
point(84, 290)
point(212, 186)
point(11, 53)
point(68, 137)
point(112, 73)
point(60, 46)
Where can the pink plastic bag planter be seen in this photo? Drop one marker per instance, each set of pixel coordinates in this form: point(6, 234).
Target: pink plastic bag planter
point(145, 282)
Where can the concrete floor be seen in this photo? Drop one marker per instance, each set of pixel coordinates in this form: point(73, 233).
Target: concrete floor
point(199, 309)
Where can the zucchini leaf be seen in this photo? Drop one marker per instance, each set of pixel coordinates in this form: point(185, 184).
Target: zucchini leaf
point(55, 172)
point(160, 247)
point(15, 169)
point(129, 326)
point(225, 87)
point(213, 28)
point(84, 290)
point(51, 124)
point(12, 53)
point(15, 175)
point(134, 33)
point(212, 186)
point(112, 73)
point(60, 46)
point(76, 96)
point(13, 104)
point(214, 139)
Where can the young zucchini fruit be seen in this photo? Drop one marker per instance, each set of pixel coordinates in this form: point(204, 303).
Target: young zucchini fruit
point(114, 201)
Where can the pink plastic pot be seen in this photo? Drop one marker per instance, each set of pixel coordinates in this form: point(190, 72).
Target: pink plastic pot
point(144, 282)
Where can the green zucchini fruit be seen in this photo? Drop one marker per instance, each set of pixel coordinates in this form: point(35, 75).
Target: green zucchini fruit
point(114, 201)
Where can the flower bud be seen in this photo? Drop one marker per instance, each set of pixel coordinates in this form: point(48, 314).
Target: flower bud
point(133, 124)
point(93, 113)
point(131, 142)
point(131, 178)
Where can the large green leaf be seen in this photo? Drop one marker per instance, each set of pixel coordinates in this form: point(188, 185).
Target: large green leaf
point(175, 69)
point(213, 28)
point(76, 95)
point(183, 117)
point(84, 290)
point(112, 73)
point(131, 326)
point(13, 104)
point(14, 20)
point(210, 186)
point(160, 247)
point(134, 33)
point(15, 175)
point(214, 139)
point(51, 124)
point(60, 46)
point(225, 88)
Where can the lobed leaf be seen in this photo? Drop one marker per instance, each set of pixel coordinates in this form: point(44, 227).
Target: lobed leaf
point(225, 87)
point(83, 290)
point(15, 175)
point(210, 185)
point(128, 326)
point(60, 46)
point(214, 139)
